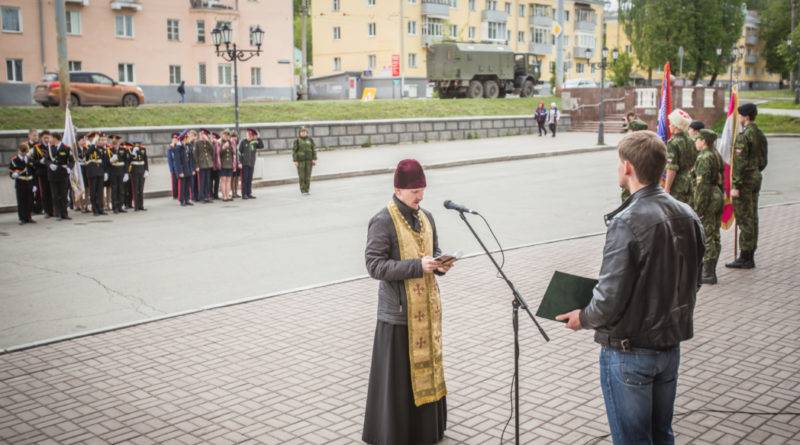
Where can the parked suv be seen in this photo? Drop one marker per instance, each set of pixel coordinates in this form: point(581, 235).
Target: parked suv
point(88, 88)
point(580, 83)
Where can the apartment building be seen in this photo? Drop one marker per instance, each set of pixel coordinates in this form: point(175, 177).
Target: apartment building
point(155, 44)
point(363, 35)
point(751, 67)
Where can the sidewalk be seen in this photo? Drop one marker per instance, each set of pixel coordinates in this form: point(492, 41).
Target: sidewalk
point(293, 368)
point(274, 169)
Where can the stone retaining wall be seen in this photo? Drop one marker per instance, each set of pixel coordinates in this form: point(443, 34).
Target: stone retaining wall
point(330, 134)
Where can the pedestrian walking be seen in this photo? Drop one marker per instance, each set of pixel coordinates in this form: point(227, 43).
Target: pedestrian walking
point(182, 91)
point(709, 198)
point(304, 155)
point(749, 160)
point(643, 304)
point(552, 118)
point(540, 115)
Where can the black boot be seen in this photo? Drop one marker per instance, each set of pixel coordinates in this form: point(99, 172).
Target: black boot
point(745, 261)
point(709, 272)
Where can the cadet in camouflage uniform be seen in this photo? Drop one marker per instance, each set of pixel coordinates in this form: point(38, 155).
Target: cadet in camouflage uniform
point(681, 154)
point(632, 126)
point(709, 199)
point(304, 155)
point(749, 159)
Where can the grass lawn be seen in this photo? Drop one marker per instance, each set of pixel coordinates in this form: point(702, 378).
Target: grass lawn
point(770, 123)
point(783, 104)
point(766, 94)
point(19, 118)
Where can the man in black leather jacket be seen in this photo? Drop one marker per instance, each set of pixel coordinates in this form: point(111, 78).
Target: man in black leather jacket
point(644, 301)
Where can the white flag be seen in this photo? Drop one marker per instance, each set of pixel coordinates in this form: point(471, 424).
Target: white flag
point(75, 175)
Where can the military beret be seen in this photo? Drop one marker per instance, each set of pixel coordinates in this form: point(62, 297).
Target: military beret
point(748, 110)
point(697, 125)
point(252, 131)
point(204, 131)
point(637, 125)
point(176, 134)
point(183, 134)
point(708, 135)
point(215, 134)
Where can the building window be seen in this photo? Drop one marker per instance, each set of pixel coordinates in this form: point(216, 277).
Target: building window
point(453, 31)
point(522, 10)
point(580, 68)
point(252, 41)
point(174, 74)
point(472, 33)
point(747, 71)
point(491, 5)
point(372, 61)
point(14, 70)
point(521, 36)
point(75, 65)
point(370, 2)
point(335, 5)
point(173, 30)
point(585, 41)
point(432, 27)
point(566, 16)
point(471, 5)
point(585, 15)
point(371, 29)
point(412, 2)
point(123, 26)
point(337, 33)
point(224, 74)
point(412, 27)
point(74, 23)
point(497, 30)
point(412, 60)
point(201, 73)
point(628, 49)
point(12, 19)
point(594, 68)
point(126, 73)
point(540, 10)
point(255, 76)
point(540, 34)
point(508, 8)
point(337, 63)
point(201, 31)
point(454, 4)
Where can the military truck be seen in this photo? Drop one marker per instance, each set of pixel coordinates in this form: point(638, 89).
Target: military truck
point(464, 69)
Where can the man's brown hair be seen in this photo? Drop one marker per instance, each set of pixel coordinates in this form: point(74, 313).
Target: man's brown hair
point(647, 154)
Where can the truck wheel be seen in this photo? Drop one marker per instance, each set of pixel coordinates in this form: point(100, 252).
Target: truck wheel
point(475, 90)
point(490, 89)
point(527, 89)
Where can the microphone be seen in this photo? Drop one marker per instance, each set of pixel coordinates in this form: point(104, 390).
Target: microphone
point(453, 206)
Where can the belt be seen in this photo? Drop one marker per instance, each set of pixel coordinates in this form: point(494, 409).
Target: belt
point(25, 178)
point(137, 162)
point(96, 161)
point(625, 344)
point(118, 164)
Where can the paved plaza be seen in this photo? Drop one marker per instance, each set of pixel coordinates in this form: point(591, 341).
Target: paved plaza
point(292, 368)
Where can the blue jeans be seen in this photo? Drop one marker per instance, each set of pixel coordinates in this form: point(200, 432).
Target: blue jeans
point(639, 391)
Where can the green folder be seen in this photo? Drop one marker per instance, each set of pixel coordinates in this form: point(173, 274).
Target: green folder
point(565, 293)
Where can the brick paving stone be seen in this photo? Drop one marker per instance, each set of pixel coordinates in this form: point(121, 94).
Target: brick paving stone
point(293, 368)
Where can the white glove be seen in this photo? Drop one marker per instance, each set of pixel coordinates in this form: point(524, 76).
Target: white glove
point(53, 167)
point(35, 189)
point(66, 167)
point(105, 176)
point(146, 173)
point(14, 175)
point(136, 150)
point(114, 158)
point(42, 161)
point(125, 178)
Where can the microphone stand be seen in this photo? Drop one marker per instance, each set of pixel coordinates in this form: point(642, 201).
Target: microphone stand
point(517, 303)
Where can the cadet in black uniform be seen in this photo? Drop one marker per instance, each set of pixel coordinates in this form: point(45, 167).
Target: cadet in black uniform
point(22, 170)
point(59, 162)
point(138, 170)
point(97, 171)
point(180, 159)
point(39, 154)
point(118, 160)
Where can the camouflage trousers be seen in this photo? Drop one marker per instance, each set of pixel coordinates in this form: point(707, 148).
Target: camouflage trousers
point(304, 174)
point(708, 205)
point(745, 209)
point(682, 188)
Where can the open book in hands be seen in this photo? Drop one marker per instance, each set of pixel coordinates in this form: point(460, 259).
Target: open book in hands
point(449, 259)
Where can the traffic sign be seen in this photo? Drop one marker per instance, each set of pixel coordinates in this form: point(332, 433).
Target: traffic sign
point(557, 29)
point(395, 65)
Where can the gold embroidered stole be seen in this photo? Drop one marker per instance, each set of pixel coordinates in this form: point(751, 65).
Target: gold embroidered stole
point(424, 311)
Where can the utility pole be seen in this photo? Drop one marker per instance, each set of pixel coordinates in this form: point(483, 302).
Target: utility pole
point(61, 42)
point(402, 50)
point(304, 69)
point(792, 78)
point(560, 45)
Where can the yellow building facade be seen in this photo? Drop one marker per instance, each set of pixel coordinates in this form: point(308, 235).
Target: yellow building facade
point(750, 67)
point(365, 35)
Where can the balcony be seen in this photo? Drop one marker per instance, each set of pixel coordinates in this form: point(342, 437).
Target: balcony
point(585, 25)
point(541, 49)
point(430, 39)
point(494, 16)
point(77, 2)
point(210, 4)
point(751, 40)
point(541, 20)
point(126, 4)
point(436, 8)
point(751, 60)
point(580, 52)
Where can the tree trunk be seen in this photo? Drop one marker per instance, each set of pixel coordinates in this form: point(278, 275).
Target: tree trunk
point(713, 79)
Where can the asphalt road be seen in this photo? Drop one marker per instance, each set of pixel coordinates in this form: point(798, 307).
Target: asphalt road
point(65, 278)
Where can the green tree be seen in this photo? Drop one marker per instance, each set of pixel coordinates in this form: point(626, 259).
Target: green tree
point(775, 29)
point(620, 72)
point(298, 29)
point(719, 24)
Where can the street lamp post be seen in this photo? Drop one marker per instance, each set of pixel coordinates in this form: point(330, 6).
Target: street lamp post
point(797, 78)
point(614, 55)
point(232, 54)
